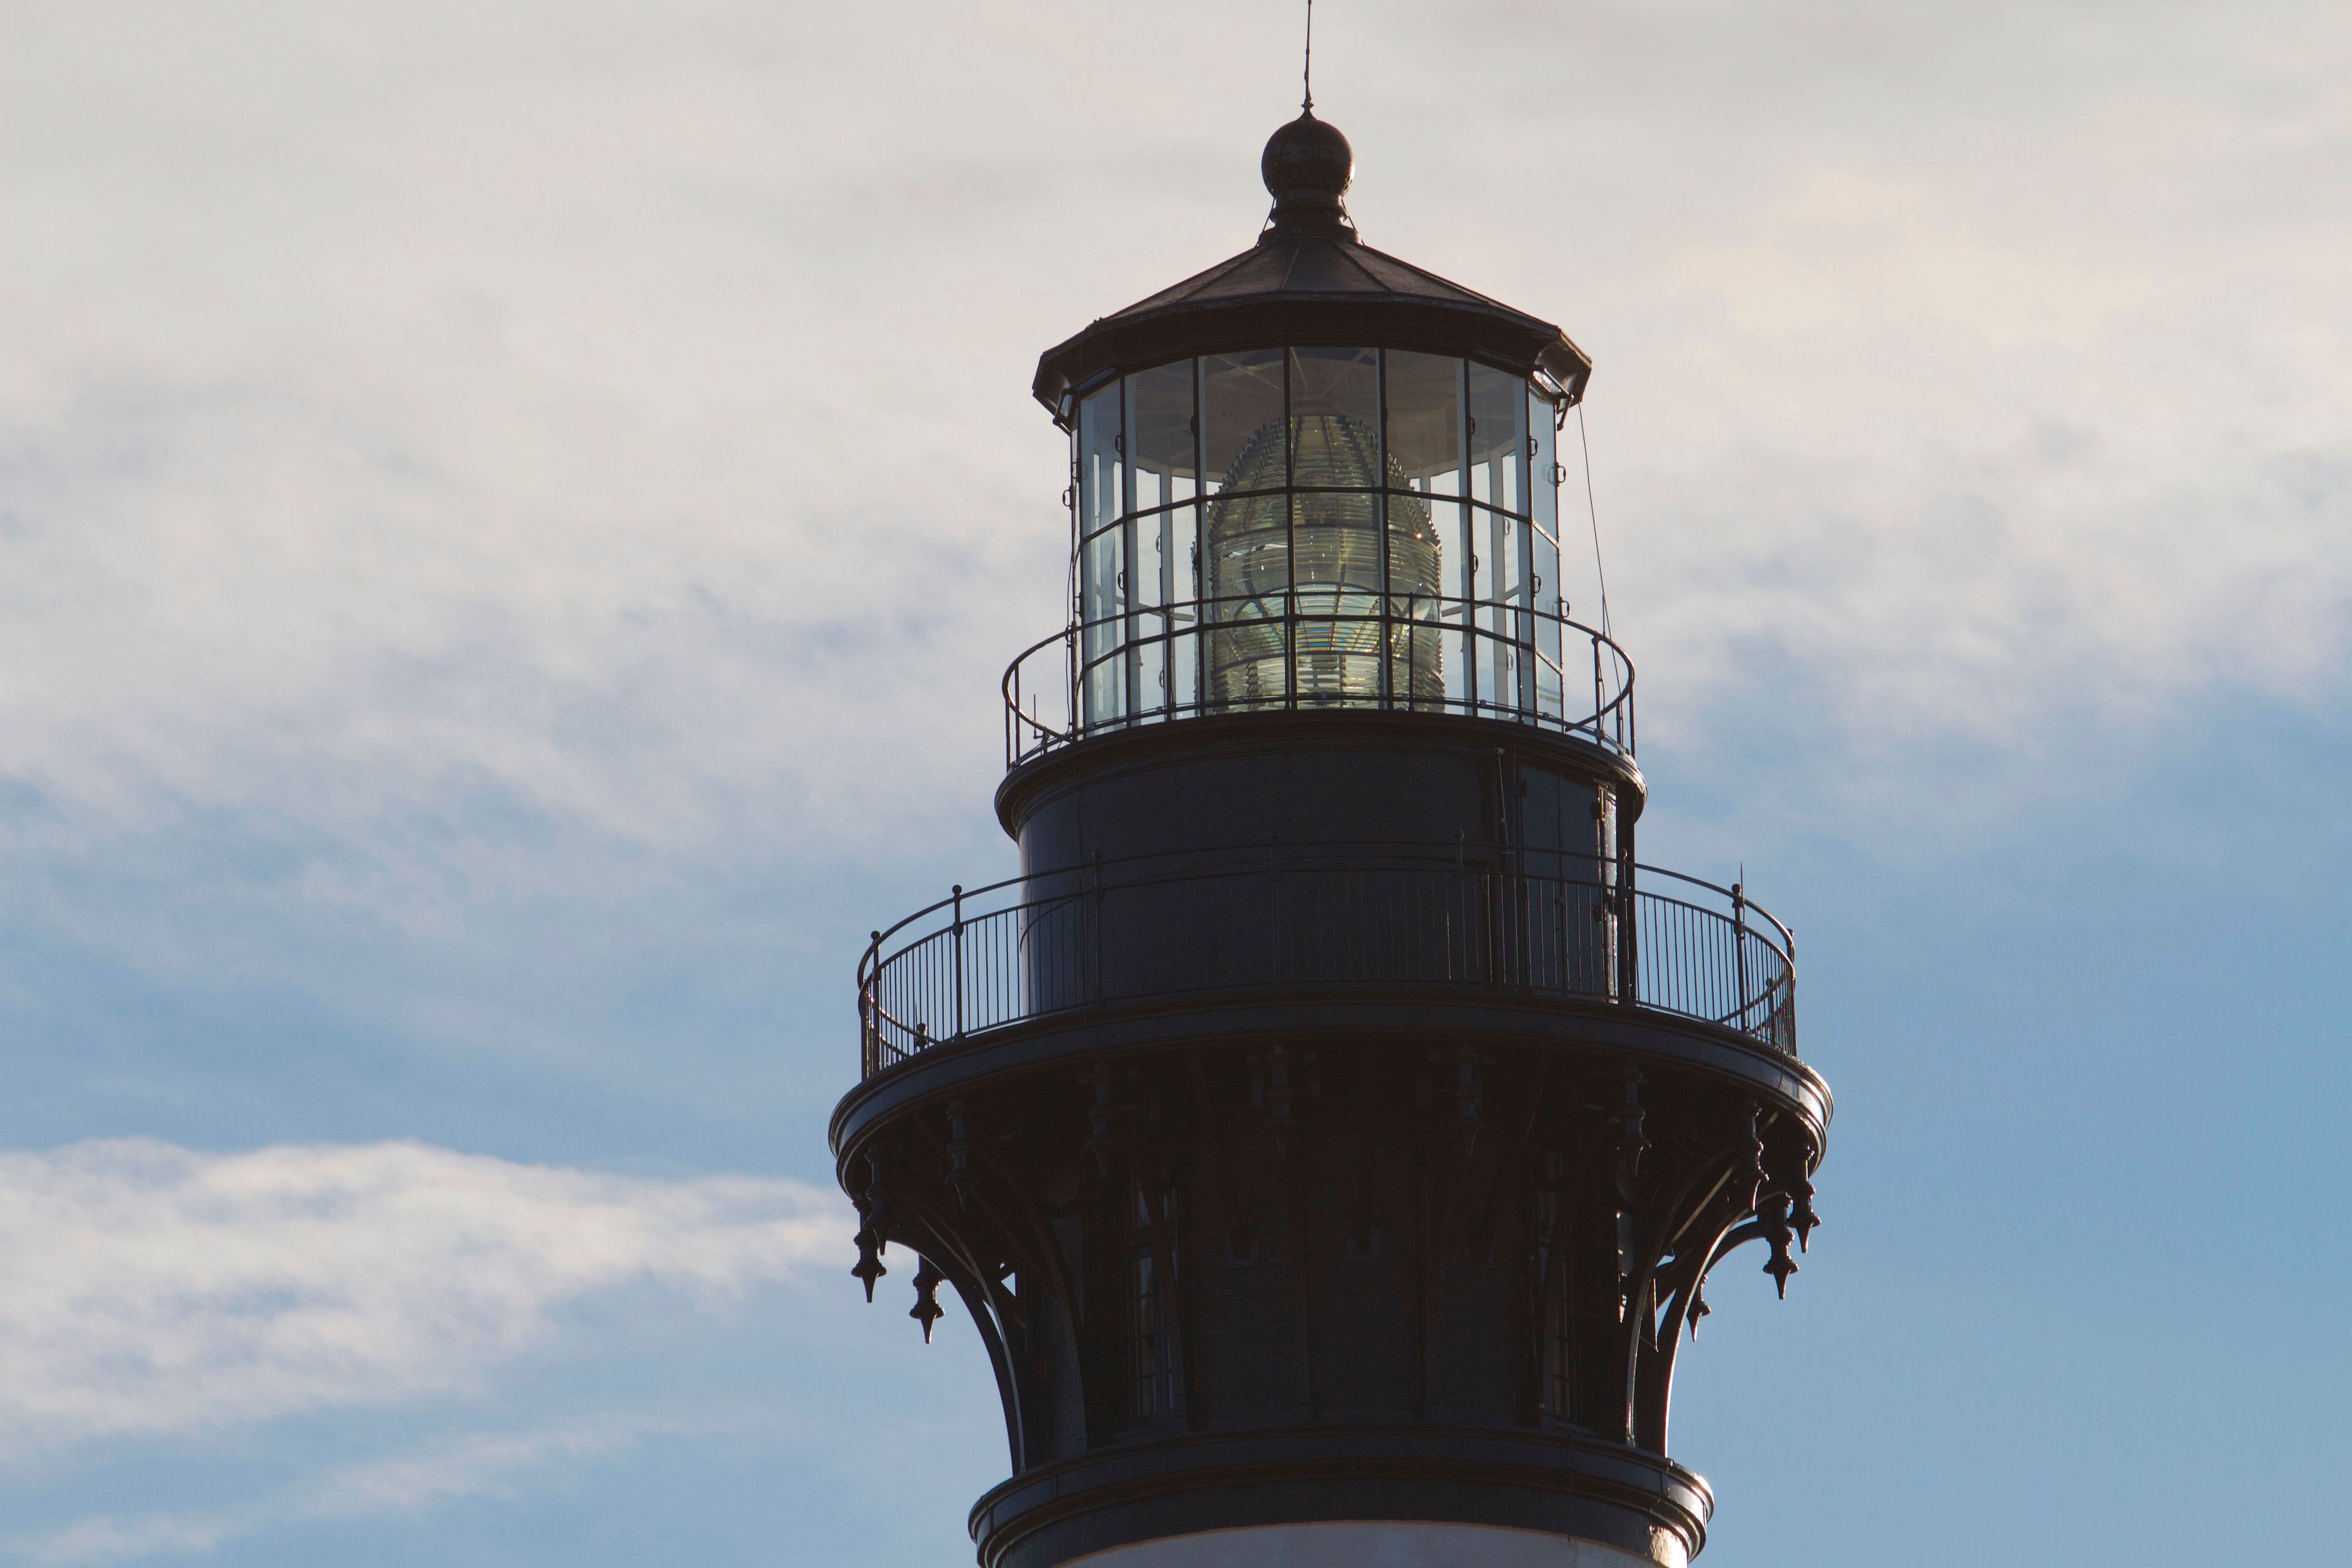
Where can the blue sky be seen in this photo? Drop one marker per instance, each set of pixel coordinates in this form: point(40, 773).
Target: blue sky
point(509, 518)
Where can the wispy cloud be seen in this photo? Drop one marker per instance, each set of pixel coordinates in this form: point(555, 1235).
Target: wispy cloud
point(471, 1465)
point(155, 1289)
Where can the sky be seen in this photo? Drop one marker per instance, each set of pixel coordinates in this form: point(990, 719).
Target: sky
point(509, 517)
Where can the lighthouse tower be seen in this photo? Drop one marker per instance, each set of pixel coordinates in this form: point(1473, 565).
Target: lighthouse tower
point(1332, 1129)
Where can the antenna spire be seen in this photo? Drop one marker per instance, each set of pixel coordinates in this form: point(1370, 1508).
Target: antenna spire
point(1307, 77)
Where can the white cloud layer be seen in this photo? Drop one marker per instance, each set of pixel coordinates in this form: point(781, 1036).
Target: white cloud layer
point(620, 413)
point(155, 1289)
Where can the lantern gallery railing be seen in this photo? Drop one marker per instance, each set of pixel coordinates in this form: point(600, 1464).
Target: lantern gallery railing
point(1420, 653)
point(1276, 917)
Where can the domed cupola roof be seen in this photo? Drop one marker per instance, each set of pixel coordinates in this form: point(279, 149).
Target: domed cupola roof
point(1309, 280)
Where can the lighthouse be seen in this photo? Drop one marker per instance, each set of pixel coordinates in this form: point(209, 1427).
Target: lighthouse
point(1332, 1130)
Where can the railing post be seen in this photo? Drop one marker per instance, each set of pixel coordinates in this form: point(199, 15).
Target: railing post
point(1740, 947)
point(959, 959)
point(869, 1008)
point(1629, 932)
point(1596, 689)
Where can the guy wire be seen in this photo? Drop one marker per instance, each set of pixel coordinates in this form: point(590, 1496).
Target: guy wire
point(1593, 511)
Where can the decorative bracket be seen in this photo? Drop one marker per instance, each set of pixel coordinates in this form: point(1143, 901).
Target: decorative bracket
point(873, 1213)
point(927, 1309)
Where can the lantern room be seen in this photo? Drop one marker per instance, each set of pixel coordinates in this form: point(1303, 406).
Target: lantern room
point(1316, 476)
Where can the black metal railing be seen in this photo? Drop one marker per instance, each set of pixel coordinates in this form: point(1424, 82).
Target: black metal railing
point(1276, 917)
point(1420, 654)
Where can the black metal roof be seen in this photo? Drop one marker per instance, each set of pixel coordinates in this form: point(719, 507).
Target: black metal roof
point(1309, 280)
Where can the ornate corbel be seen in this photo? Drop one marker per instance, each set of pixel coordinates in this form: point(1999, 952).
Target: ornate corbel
point(1801, 1189)
point(926, 1311)
point(873, 1213)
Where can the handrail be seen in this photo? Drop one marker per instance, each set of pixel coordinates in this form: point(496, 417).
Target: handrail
point(1179, 631)
point(1454, 914)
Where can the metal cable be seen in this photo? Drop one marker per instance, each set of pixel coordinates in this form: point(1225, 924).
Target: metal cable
point(1593, 512)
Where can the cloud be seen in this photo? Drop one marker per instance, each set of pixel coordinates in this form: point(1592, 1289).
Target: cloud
point(407, 416)
point(471, 1465)
point(156, 1289)
point(441, 469)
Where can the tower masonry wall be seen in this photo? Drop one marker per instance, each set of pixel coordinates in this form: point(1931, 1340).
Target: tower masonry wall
point(1316, 778)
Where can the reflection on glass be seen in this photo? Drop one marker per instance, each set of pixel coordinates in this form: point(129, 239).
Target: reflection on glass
point(1104, 577)
point(1550, 589)
point(1102, 565)
point(1159, 403)
point(1425, 406)
point(1498, 438)
point(1102, 497)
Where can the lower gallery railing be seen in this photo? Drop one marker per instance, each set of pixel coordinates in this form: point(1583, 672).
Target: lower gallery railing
point(1269, 919)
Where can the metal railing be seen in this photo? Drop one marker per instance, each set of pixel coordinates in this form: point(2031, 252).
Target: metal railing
point(1420, 653)
point(1275, 917)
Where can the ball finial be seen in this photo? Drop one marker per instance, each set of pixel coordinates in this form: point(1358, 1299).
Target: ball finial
point(1308, 166)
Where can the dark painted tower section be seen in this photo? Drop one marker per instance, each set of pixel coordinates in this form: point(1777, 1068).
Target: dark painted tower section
point(1334, 1126)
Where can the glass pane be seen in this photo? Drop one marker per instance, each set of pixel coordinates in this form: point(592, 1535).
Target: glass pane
point(1549, 611)
point(1490, 544)
point(1101, 451)
point(1416, 655)
point(1424, 422)
point(1337, 544)
point(1248, 658)
point(1163, 452)
point(1336, 557)
point(1498, 438)
point(1148, 583)
point(1244, 420)
point(1102, 602)
point(1184, 649)
point(1102, 562)
point(1552, 685)
point(1449, 521)
point(1495, 542)
point(1335, 418)
point(1543, 491)
point(1416, 581)
point(1245, 555)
